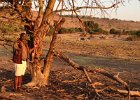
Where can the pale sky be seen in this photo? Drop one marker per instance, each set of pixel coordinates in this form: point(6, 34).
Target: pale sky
point(131, 11)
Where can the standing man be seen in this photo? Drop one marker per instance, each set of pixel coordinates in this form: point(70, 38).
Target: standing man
point(20, 55)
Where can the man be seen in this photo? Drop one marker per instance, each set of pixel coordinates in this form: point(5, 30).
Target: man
point(20, 56)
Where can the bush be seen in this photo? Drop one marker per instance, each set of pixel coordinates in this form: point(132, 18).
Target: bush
point(96, 26)
point(7, 28)
point(69, 30)
point(92, 27)
point(62, 30)
point(114, 31)
point(137, 33)
point(104, 32)
point(78, 30)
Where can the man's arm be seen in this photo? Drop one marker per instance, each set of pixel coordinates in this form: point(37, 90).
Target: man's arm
point(16, 46)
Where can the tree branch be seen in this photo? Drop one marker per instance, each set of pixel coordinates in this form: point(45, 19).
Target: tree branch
point(87, 7)
point(103, 72)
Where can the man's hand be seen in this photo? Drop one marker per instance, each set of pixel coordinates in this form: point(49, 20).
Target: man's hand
point(35, 46)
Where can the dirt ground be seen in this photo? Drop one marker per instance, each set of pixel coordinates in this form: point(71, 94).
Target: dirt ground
point(110, 53)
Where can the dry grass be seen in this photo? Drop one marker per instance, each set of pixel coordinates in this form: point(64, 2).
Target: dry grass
point(110, 47)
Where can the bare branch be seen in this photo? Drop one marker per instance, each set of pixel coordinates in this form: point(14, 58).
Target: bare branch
point(37, 22)
point(88, 7)
point(103, 72)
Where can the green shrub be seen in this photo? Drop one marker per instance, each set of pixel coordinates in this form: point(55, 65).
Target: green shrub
point(92, 27)
point(69, 30)
point(62, 30)
point(7, 28)
point(137, 33)
point(78, 30)
point(96, 26)
point(105, 32)
point(114, 31)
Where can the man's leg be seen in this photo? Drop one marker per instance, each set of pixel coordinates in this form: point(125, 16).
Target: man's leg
point(16, 83)
point(18, 74)
point(19, 82)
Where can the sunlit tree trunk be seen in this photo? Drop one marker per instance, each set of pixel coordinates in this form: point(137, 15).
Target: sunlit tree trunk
point(40, 76)
point(50, 55)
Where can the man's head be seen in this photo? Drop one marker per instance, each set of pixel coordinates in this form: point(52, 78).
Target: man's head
point(23, 36)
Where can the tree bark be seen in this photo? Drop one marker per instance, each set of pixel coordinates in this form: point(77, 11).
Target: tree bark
point(39, 78)
point(50, 55)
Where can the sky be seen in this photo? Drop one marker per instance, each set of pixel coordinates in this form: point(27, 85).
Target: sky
point(131, 11)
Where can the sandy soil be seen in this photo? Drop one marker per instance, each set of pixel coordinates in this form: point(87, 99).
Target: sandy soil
point(113, 55)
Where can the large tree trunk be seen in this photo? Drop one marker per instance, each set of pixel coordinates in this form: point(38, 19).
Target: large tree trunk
point(40, 77)
point(40, 29)
point(37, 76)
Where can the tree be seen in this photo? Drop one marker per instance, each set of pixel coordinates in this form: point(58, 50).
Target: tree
point(38, 28)
point(92, 27)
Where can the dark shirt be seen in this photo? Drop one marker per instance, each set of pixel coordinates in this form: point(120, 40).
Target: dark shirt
point(20, 51)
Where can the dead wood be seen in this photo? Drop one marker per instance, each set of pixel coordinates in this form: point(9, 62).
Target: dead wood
point(101, 71)
point(125, 92)
point(132, 93)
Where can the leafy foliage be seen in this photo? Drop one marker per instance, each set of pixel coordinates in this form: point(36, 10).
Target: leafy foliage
point(137, 33)
point(92, 28)
point(114, 31)
point(7, 28)
point(69, 30)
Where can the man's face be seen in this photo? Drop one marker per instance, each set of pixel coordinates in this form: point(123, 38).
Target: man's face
point(23, 37)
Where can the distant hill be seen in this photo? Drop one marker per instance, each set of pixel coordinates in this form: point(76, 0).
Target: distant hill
point(104, 23)
point(107, 24)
